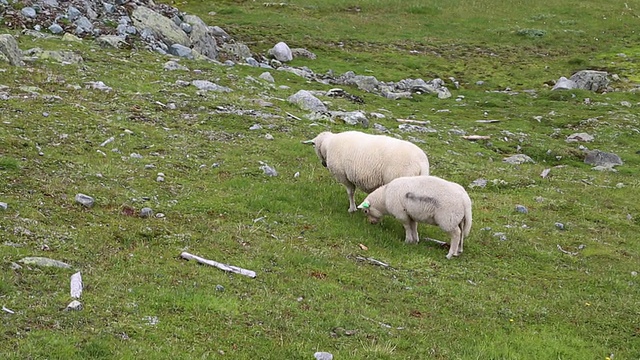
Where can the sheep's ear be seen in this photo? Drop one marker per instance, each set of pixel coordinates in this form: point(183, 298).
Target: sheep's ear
point(364, 205)
point(308, 142)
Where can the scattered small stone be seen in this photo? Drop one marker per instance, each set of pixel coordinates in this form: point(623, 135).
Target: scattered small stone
point(625, 103)
point(518, 159)
point(322, 355)
point(75, 305)
point(98, 85)
point(579, 137)
point(219, 288)
point(601, 158)
point(28, 12)
point(267, 77)
point(268, 136)
point(76, 285)
point(559, 226)
point(297, 174)
point(478, 183)
point(8, 310)
point(42, 261)
point(135, 156)
point(619, 185)
point(149, 166)
point(151, 320)
point(146, 212)
point(85, 200)
point(4, 206)
point(160, 216)
point(268, 170)
point(634, 273)
point(501, 236)
point(255, 127)
point(522, 209)
point(15, 266)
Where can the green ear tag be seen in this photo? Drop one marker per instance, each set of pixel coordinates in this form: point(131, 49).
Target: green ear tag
point(365, 205)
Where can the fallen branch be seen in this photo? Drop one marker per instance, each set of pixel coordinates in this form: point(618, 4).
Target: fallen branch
point(221, 266)
point(441, 243)
point(372, 260)
point(565, 251)
point(293, 116)
point(413, 121)
point(487, 121)
point(476, 137)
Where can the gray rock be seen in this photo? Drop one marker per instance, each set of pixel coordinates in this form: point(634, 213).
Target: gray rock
point(522, 209)
point(202, 37)
point(111, 41)
point(50, 3)
point(110, 8)
point(591, 80)
point(255, 127)
point(564, 84)
point(559, 226)
point(322, 355)
point(253, 62)
point(267, 76)
point(281, 52)
point(300, 52)
point(601, 158)
point(501, 236)
point(9, 48)
point(55, 29)
point(219, 288)
point(584, 137)
point(186, 27)
point(83, 25)
point(168, 32)
point(306, 101)
point(75, 305)
point(65, 57)
point(217, 31)
point(124, 29)
point(181, 51)
point(268, 170)
point(73, 13)
point(209, 86)
point(352, 117)
point(15, 266)
point(478, 183)
point(518, 159)
point(85, 200)
point(43, 261)
point(28, 12)
point(236, 51)
point(416, 128)
point(172, 65)
point(146, 212)
point(4, 206)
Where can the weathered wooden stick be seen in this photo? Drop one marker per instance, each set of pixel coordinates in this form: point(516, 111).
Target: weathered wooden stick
point(293, 116)
point(487, 121)
point(221, 266)
point(441, 243)
point(76, 285)
point(565, 251)
point(372, 260)
point(8, 310)
point(413, 121)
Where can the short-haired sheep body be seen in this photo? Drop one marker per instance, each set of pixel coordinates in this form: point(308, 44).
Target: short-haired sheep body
point(423, 199)
point(365, 161)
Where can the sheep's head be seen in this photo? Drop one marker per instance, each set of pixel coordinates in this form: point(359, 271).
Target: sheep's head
point(373, 214)
point(317, 143)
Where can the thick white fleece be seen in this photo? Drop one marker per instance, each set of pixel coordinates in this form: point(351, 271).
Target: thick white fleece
point(366, 162)
point(423, 199)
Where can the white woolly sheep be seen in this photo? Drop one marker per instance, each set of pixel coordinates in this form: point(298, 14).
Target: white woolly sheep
point(366, 162)
point(423, 199)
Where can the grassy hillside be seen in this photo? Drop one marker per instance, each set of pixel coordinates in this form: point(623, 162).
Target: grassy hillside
point(512, 295)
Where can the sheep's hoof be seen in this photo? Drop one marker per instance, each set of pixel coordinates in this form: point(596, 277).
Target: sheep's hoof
point(449, 256)
point(352, 210)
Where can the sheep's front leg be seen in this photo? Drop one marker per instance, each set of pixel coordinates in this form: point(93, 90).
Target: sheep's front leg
point(410, 232)
point(455, 242)
point(351, 190)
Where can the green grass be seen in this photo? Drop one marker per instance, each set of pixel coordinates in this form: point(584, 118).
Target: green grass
point(520, 298)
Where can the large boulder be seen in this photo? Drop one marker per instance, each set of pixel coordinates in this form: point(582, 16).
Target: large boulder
point(201, 37)
point(9, 49)
point(167, 30)
point(591, 80)
point(281, 52)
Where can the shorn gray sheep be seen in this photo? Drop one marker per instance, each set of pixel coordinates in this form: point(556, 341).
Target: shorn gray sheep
point(423, 199)
point(364, 161)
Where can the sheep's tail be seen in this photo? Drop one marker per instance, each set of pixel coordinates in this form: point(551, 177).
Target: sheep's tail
point(465, 225)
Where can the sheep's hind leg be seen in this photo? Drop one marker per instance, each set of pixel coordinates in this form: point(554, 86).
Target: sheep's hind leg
point(411, 232)
point(460, 249)
point(455, 241)
point(351, 190)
